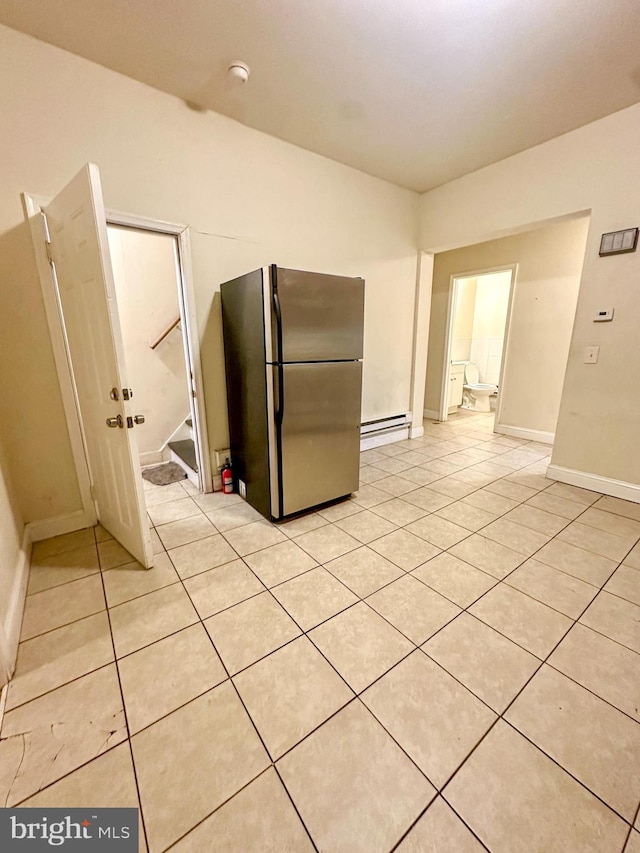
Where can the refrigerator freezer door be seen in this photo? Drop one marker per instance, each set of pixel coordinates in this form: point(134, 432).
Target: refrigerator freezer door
point(319, 414)
point(321, 316)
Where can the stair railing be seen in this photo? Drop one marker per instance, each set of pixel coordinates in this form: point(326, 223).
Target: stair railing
point(164, 334)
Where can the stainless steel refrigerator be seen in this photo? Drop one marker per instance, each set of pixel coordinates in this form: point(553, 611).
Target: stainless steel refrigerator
point(293, 358)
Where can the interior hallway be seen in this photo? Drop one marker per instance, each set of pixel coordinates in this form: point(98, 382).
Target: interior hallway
point(448, 661)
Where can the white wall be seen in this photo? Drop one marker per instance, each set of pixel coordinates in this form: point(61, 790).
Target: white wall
point(489, 320)
point(546, 290)
point(463, 312)
point(593, 168)
point(145, 275)
point(249, 199)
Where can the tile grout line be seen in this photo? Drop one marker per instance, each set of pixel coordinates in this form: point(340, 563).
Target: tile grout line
point(124, 709)
point(538, 668)
point(416, 647)
point(499, 717)
point(356, 695)
point(246, 710)
point(539, 491)
point(407, 572)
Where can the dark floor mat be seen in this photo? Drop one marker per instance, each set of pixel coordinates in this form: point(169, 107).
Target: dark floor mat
point(165, 474)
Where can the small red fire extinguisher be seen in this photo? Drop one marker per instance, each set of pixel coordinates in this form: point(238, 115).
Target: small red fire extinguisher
point(227, 478)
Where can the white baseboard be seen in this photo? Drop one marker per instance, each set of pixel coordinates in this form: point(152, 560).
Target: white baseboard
point(3, 702)
point(595, 483)
point(48, 527)
point(154, 457)
point(416, 432)
point(431, 414)
point(33, 532)
point(390, 437)
point(13, 621)
point(527, 434)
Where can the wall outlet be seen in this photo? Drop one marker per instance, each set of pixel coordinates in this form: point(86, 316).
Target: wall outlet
point(603, 315)
point(591, 355)
point(222, 456)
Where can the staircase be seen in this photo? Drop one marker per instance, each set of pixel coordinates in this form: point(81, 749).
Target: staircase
point(183, 453)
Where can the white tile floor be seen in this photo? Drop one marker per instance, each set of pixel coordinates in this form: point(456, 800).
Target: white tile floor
point(449, 661)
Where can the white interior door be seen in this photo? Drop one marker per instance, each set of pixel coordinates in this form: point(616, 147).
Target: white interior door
point(82, 267)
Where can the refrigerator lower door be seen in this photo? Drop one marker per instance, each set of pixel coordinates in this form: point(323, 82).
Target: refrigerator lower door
point(319, 432)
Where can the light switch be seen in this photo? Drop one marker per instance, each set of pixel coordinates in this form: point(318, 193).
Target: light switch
point(591, 355)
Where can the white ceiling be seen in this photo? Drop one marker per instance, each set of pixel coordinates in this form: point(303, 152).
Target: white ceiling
point(414, 91)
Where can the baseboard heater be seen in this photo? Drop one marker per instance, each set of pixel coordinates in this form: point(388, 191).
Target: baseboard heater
point(385, 430)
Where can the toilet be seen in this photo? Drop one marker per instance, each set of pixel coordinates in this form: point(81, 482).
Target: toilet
point(476, 394)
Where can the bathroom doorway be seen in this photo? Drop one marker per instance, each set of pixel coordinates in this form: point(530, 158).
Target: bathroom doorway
point(476, 341)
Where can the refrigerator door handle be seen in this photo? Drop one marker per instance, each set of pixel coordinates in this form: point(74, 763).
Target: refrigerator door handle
point(279, 413)
point(278, 313)
point(280, 394)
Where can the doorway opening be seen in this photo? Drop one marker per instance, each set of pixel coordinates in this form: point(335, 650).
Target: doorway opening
point(71, 245)
point(476, 338)
point(546, 265)
point(147, 276)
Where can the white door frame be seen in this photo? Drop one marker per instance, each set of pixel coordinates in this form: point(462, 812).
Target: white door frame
point(32, 205)
point(186, 299)
point(420, 347)
point(443, 412)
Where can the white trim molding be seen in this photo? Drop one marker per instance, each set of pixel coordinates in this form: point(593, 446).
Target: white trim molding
point(48, 527)
point(10, 631)
point(595, 483)
point(431, 415)
point(3, 702)
point(154, 457)
point(527, 434)
point(34, 531)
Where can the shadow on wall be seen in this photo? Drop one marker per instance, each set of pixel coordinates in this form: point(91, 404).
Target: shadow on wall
point(33, 428)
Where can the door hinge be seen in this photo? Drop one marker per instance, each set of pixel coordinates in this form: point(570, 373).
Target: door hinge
point(47, 236)
point(92, 491)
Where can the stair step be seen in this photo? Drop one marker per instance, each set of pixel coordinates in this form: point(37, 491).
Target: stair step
point(186, 450)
